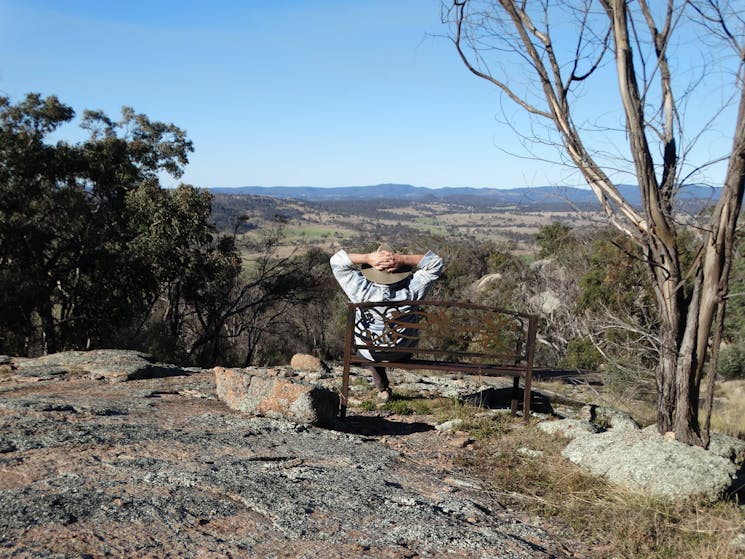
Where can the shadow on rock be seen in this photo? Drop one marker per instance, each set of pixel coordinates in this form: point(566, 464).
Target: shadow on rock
point(374, 426)
point(495, 398)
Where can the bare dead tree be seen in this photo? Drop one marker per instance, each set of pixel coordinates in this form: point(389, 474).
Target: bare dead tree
point(547, 56)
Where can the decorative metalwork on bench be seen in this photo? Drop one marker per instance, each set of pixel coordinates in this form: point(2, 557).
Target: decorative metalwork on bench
point(400, 325)
point(443, 332)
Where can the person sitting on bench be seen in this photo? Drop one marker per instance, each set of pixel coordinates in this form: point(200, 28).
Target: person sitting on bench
point(385, 276)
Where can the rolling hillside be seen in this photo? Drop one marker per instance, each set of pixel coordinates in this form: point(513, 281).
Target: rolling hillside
point(533, 198)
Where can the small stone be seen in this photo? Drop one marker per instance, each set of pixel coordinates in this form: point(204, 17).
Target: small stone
point(738, 543)
point(529, 452)
point(305, 362)
point(460, 440)
point(450, 425)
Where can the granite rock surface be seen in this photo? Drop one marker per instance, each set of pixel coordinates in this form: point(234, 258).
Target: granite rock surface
point(158, 466)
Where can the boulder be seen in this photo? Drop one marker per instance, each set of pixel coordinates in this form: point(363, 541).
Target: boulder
point(646, 462)
point(732, 449)
point(608, 418)
point(570, 428)
point(728, 447)
point(113, 365)
point(547, 301)
point(485, 281)
point(305, 362)
point(272, 396)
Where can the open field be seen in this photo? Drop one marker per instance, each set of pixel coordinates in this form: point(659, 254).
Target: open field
point(307, 225)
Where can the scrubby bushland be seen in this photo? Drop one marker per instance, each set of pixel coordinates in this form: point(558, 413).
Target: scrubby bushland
point(94, 253)
point(605, 318)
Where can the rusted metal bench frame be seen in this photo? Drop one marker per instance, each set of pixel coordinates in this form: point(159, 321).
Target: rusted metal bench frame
point(520, 364)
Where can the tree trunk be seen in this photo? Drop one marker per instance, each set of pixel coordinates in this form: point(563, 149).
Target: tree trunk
point(48, 329)
point(670, 306)
point(688, 301)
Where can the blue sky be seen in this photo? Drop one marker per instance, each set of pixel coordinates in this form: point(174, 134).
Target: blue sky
point(286, 92)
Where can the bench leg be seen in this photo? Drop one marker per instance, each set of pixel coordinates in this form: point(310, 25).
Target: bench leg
point(515, 394)
point(526, 396)
point(344, 392)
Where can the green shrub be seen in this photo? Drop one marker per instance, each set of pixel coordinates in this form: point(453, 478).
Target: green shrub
point(581, 354)
point(731, 363)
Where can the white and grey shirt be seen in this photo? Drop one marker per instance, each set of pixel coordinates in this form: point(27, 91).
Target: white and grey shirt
point(359, 289)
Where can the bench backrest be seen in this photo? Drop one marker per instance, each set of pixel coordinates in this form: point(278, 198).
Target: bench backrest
point(442, 331)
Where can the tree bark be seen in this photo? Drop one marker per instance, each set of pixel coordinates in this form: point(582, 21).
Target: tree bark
point(48, 329)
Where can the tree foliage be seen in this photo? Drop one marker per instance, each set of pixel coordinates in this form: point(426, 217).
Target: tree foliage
point(553, 239)
point(88, 239)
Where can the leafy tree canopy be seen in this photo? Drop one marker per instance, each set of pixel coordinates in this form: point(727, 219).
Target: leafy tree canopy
point(88, 239)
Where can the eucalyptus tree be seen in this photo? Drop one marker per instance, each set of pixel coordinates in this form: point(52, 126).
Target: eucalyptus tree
point(677, 67)
point(88, 239)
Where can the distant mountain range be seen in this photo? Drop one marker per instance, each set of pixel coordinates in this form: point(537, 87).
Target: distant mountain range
point(525, 197)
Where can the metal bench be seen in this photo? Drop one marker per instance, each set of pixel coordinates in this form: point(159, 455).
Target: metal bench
point(442, 336)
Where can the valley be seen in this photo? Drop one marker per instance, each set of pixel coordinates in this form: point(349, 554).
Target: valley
point(330, 225)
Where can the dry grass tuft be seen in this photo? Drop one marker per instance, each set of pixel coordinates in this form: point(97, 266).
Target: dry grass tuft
point(614, 522)
point(728, 415)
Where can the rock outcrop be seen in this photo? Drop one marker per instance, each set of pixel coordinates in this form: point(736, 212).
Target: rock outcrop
point(643, 461)
point(103, 364)
point(265, 392)
point(111, 454)
point(160, 467)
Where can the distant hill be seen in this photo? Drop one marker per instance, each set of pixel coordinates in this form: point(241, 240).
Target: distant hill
point(539, 197)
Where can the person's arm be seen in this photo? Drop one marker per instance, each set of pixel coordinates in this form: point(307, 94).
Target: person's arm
point(386, 261)
point(347, 273)
point(360, 258)
point(401, 260)
point(430, 268)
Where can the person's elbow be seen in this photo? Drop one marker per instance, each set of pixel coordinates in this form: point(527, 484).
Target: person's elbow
point(436, 265)
point(337, 259)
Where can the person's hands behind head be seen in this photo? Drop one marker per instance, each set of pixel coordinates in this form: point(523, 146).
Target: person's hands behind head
point(393, 261)
point(396, 261)
point(383, 260)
